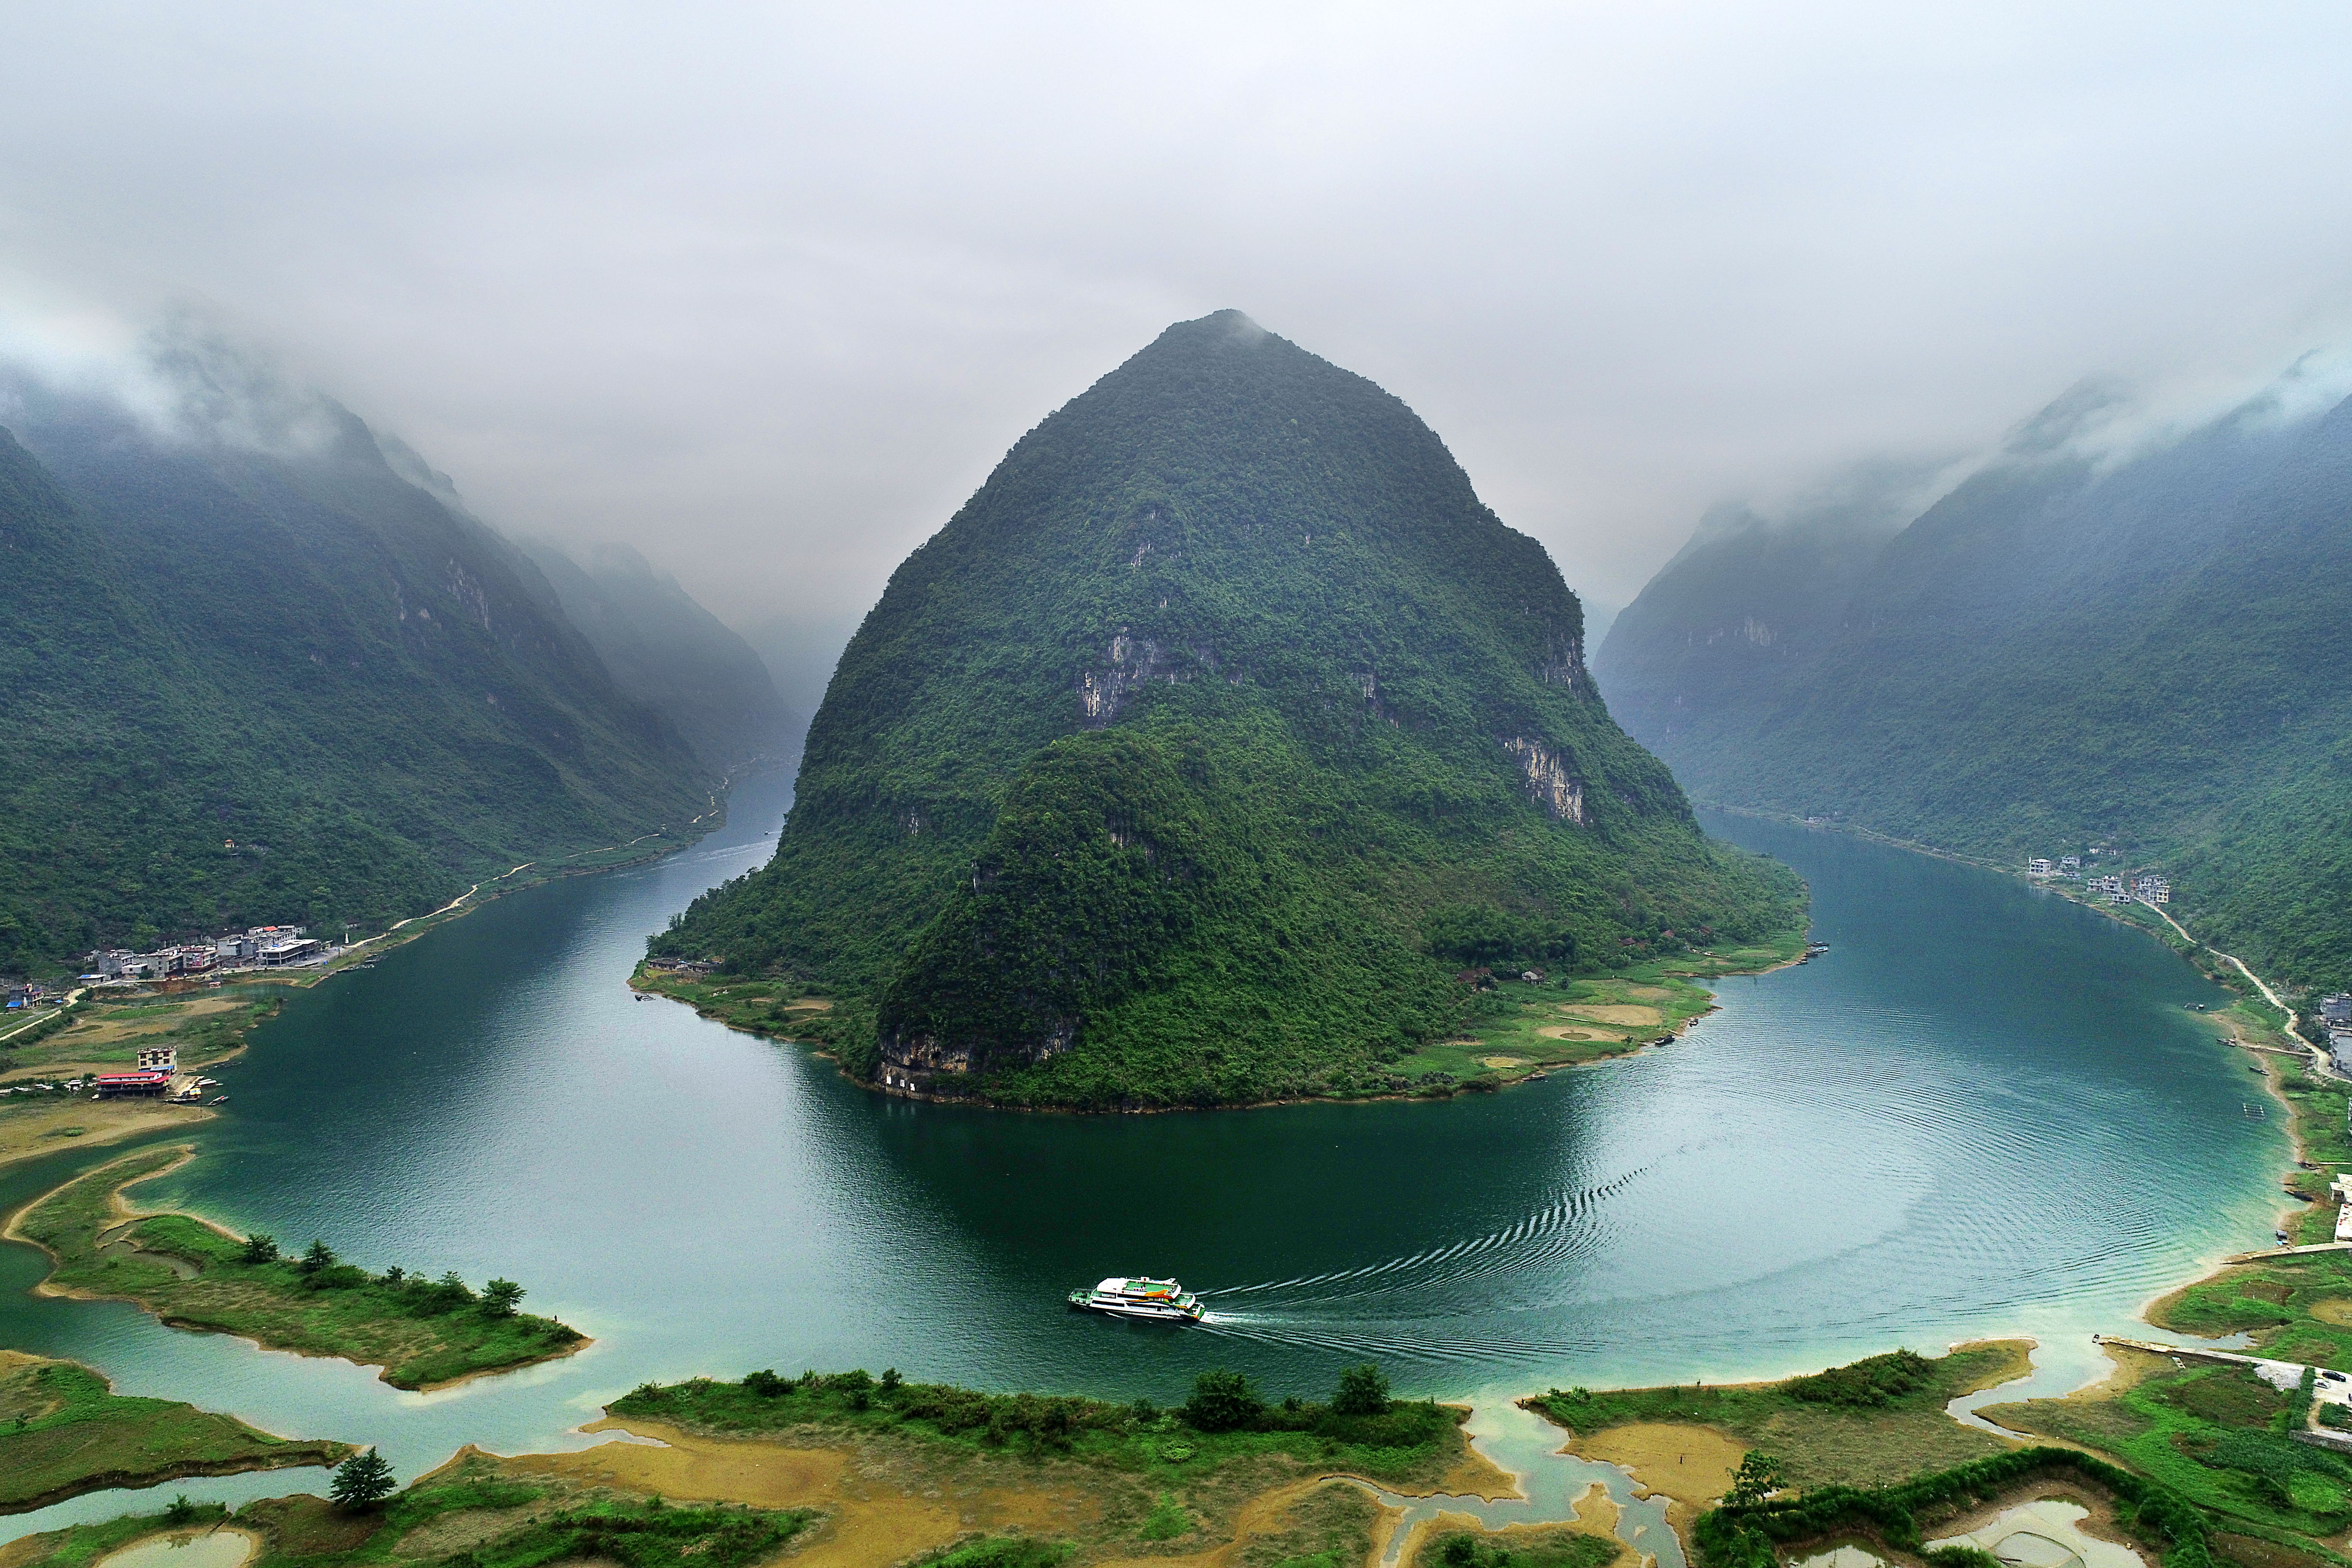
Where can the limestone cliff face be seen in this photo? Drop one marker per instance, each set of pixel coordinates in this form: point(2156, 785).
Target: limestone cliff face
point(1552, 784)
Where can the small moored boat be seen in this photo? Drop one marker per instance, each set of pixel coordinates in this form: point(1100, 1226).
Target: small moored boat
point(1151, 1301)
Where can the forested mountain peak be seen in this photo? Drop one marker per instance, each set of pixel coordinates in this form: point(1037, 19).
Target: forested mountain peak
point(1146, 776)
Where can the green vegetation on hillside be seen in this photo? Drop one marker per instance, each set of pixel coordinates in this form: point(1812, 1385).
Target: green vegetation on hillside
point(422, 1333)
point(1875, 1421)
point(2060, 655)
point(250, 686)
point(1226, 1421)
point(1197, 755)
point(64, 1431)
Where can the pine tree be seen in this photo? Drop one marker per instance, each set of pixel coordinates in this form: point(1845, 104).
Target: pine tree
point(361, 1481)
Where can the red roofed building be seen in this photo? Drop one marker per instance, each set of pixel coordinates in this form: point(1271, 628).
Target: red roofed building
point(132, 1085)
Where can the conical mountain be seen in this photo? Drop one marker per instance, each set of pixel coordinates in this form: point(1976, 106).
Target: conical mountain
point(1198, 751)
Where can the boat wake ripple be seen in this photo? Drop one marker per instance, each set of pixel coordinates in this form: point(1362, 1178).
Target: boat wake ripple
point(1558, 1231)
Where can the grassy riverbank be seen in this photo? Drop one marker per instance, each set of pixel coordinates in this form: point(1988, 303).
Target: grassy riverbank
point(1411, 1443)
point(64, 1431)
point(423, 1333)
point(471, 1512)
point(869, 1474)
point(1507, 1033)
point(104, 1033)
point(2212, 1432)
point(1875, 1421)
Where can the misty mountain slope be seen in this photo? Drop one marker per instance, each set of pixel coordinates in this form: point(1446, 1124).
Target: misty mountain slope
point(1152, 772)
point(284, 685)
point(1746, 600)
point(668, 652)
point(2060, 651)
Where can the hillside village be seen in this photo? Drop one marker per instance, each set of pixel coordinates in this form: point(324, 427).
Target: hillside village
point(2146, 887)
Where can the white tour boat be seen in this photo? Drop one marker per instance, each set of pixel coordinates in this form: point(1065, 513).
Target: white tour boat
point(1151, 1300)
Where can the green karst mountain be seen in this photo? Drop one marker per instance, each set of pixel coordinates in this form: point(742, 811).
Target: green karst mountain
point(1189, 761)
point(256, 673)
point(2075, 645)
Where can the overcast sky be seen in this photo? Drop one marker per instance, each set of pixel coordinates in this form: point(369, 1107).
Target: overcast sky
point(768, 290)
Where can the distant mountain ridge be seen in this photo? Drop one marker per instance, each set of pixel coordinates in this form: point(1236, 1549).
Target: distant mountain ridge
point(1161, 774)
point(256, 674)
point(667, 651)
point(2062, 651)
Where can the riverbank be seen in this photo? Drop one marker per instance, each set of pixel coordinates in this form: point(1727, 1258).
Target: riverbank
point(64, 1431)
point(189, 1273)
point(868, 1473)
point(1515, 1030)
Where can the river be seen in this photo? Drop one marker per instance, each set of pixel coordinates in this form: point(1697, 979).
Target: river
point(1985, 1110)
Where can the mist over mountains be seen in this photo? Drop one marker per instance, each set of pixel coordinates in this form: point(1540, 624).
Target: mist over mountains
point(264, 666)
point(2071, 646)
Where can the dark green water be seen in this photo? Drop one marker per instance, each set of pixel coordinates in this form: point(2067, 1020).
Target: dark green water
point(1984, 1111)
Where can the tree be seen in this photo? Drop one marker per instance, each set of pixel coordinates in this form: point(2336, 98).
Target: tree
point(396, 1276)
point(181, 1511)
point(1758, 1478)
point(361, 1481)
point(1222, 1402)
point(501, 1298)
point(765, 1383)
point(890, 1379)
point(259, 1248)
point(1363, 1391)
point(321, 1255)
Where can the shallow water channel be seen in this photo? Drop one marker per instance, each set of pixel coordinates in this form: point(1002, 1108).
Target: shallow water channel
point(1983, 1112)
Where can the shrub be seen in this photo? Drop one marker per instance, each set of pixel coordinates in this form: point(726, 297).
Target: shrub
point(1873, 1381)
point(1363, 1391)
point(1222, 1402)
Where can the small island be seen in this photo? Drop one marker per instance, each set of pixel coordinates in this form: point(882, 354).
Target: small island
point(64, 1431)
point(424, 1333)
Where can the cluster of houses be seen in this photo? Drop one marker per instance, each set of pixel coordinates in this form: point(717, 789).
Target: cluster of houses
point(2336, 1014)
point(2146, 889)
point(259, 947)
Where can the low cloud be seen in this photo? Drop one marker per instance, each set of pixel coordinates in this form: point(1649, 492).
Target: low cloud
point(768, 291)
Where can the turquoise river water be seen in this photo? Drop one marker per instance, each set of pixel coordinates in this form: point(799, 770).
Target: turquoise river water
point(1985, 1110)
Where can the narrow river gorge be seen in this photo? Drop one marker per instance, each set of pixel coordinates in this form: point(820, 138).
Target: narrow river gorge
point(1985, 1110)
